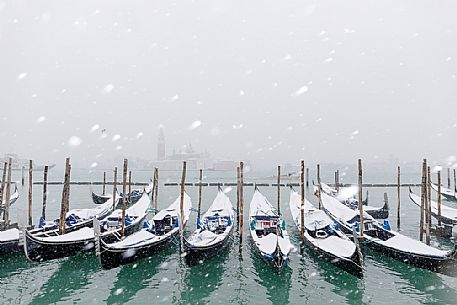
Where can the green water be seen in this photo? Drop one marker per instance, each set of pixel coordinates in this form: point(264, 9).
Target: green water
point(231, 277)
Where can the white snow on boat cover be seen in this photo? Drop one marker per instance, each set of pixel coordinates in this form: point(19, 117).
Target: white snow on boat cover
point(336, 245)
point(444, 190)
point(9, 235)
point(78, 235)
point(205, 238)
point(91, 213)
point(144, 237)
point(136, 210)
point(410, 245)
point(267, 244)
point(174, 209)
point(446, 211)
point(260, 206)
point(221, 206)
point(314, 218)
point(339, 210)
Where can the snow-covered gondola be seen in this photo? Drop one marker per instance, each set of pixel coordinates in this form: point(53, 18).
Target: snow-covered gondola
point(42, 245)
point(324, 236)
point(153, 236)
point(9, 239)
point(268, 232)
point(447, 193)
point(448, 214)
point(214, 230)
point(383, 239)
point(346, 196)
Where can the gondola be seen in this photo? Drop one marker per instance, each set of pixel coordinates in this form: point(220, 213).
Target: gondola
point(447, 193)
point(131, 198)
point(50, 245)
point(268, 232)
point(9, 233)
point(9, 239)
point(448, 214)
point(383, 239)
point(323, 236)
point(152, 237)
point(346, 196)
point(214, 230)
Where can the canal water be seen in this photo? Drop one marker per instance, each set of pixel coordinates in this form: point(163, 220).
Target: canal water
point(230, 278)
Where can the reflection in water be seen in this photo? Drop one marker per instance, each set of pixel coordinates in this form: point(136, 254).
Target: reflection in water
point(344, 284)
point(277, 283)
point(201, 280)
point(424, 285)
point(73, 274)
point(137, 276)
point(13, 264)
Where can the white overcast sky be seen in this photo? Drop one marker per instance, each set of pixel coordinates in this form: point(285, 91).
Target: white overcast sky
point(269, 81)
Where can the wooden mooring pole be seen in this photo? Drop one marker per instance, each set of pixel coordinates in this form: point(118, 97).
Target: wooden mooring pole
point(115, 188)
point(65, 197)
point(2, 187)
point(302, 202)
point(45, 191)
point(6, 212)
point(130, 187)
point(30, 191)
point(155, 189)
point(448, 178)
point(200, 179)
point(181, 208)
point(104, 183)
point(427, 206)
point(423, 199)
point(319, 198)
point(398, 197)
point(241, 203)
point(238, 196)
point(22, 175)
point(439, 198)
point(455, 181)
point(124, 189)
point(360, 199)
point(337, 180)
point(278, 190)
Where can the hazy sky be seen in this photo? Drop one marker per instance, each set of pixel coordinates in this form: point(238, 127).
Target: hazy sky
point(269, 81)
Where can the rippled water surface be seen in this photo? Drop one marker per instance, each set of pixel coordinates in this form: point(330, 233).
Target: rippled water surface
point(231, 277)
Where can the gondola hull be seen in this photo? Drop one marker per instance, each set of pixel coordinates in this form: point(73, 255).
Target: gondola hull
point(112, 258)
point(99, 199)
point(379, 214)
point(432, 263)
point(9, 247)
point(39, 251)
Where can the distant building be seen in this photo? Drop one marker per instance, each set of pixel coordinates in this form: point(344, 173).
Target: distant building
point(195, 160)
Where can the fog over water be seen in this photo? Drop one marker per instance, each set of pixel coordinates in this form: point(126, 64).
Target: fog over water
point(268, 81)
